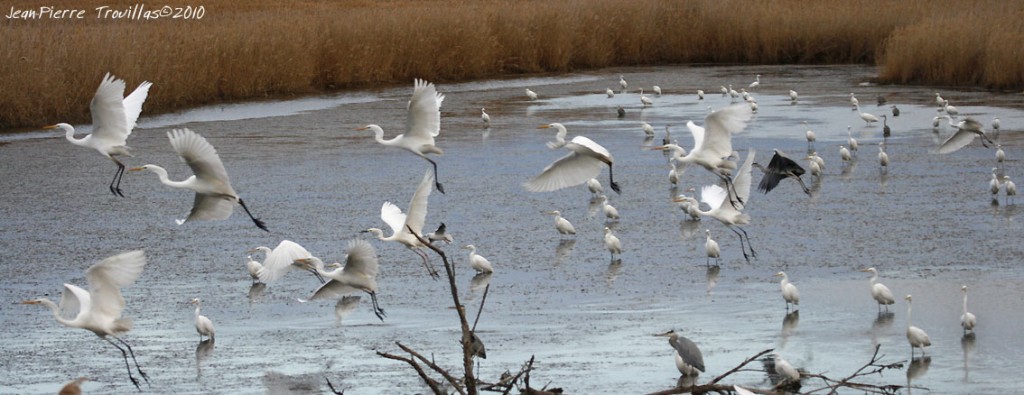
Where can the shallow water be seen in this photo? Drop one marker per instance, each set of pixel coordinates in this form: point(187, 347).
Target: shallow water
point(927, 225)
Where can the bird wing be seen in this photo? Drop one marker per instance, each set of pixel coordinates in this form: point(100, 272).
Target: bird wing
point(418, 205)
point(591, 145)
point(332, 289)
point(393, 216)
point(770, 180)
point(210, 208)
point(106, 279)
point(74, 301)
point(200, 156)
point(280, 259)
point(721, 125)
point(713, 195)
point(424, 119)
point(133, 104)
point(697, 132)
point(108, 112)
point(741, 391)
point(688, 351)
point(569, 170)
point(362, 258)
point(741, 182)
point(958, 140)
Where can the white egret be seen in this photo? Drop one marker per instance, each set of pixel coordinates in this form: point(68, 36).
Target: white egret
point(882, 295)
point(746, 95)
point(113, 118)
point(733, 94)
point(700, 94)
point(939, 100)
point(711, 248)
point(844, 154)
point(785, 370)
point(358, 274)
point(485, 117)
point(753, 106)
point(657, 90)
point(74, 387)
point(950, 110)
point(562, 225)
point(689, 359)
point(278, 261)
point(793, 96)
point(215, 198)
point(559, 136)
point(422, 125)
point(622, 83)
point(712, 145)
point(730, 215)
point(995, 123)
point(742, 391)
point(757, 81)
point(779, 168)
point(531, 94)
point(1000, 154)
point(689, 205)
point(883, 158)
point(644, 100)
point(594, 186)
point(609, 92)
point(400, 222)
point(850, 140)
point(440, 235)
point(854, 102)
point(610, 212)
point(935, 122)
point(203, 324)
point(967, 319)
point(915, 336)
point(254, 268)
point(814, 167)
point(477, 261)
point(966, 131)
point(99, 309)
point(868, 118)
point(811, 137)
point(1010, 188)
point(789, 292)
point(581, 164)
point(724, 90)
point(612, 243)
point(994, 185)
point(647, 128)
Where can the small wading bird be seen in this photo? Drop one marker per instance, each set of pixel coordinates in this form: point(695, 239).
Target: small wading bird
point(113, 118)
point(280, 260)
point(757, 81)
point(422, 124)
point(440, 235)
point(886, 130)
point(711, 145)
point(531, 94)
point(915, 336)
point(400, 222)
point(215, 198)
point(203, 324)
point(485, 117)
point(610, 212)
point(852, 142)
point(358, 274)
point(868, 118)
point(644, 100)
point(559, 136)
point(581, 164)
point(612, 243)
point(689, 359)
point(563, 225)
point(99, 309)
point(883, 158)
point(1010, 188)
point(622, 82)
point(711, 248)
point(716, 198)
point(785, 370)
point(793, 96)
point(254, 268)
point(966, 131)
point(879, 292)
point(700, 94)
point(609, 92)
point(477, 261)
point(967, 319)
point(789, 292)
point(779, 168)
point(657, 90)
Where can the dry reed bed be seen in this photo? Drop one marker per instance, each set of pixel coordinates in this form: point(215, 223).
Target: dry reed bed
point(252, 49)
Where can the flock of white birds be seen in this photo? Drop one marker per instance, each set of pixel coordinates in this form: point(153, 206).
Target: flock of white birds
point(114, 116)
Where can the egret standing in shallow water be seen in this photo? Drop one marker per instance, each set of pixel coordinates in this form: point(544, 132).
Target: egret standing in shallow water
point(883, 158)
point(485, 117)
point(1010, 188)
point(581, 164)
point(644, 100)
point(852, 142)
point(113, 118)
point(622, 83)
point(967, 319)
point(689, 359)
point(612, 243)
point(610, 212)
point(215, 198)
point(99, 309)
point(868, 118)
point(422, 124)
point(915, 336)
point(477, 261)
point(531, 94)
point(718, 198)
point(793, 96)
point(563, 225)
point(358, 274)
point(711, 248)
point(882, 295)
point(400, 222)
point(254, 268)
point(785, 370)
point(789, 292)
point(203, 324)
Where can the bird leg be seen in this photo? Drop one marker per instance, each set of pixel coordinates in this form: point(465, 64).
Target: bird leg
point(611, 180)
point(802, 185)
point(115, 184)
point(749, 246)
point(745, 256)
point(732, 190)
point(437, 181)
point(376, 307)
point(259, 224)
point(430, 269)
point(317, 275)
point(126, 365)
point(132, 353)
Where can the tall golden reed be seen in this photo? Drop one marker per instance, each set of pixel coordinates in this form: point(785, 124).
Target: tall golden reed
point(263, 48)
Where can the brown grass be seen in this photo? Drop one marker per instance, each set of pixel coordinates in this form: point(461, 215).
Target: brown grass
point(263, 48)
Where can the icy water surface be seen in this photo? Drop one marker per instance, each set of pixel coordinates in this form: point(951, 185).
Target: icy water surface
point(928, 226)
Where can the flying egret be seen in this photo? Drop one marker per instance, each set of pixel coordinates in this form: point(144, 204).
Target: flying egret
point(785, 370)
point(422, 124)
point(215, 198)
point(278, 261)
point(868, 118)
point(644, 100)
point(531, 94)
point(882, 295)
point(113, 118)
point(622, 83)
point(915, 336)
point(440, 235)
point(845, 154)
point(967, 320)
point(757, 81)
point(789, 292)
point(400, 222)
point(485, 117)
point(657, 90)
point(609, 92)
point(1010, 188)
point(477, 261)
point(883, 158)
point(966, 131)
point(647, 128)
point(74, 387)
point(700, 94)
point(358, 274)
point(711, 145)
point(99, 309)
point(854, 102)
point(729, 215)
point(689, 359)
point(559, 136)
point(850, 141)
point(610, 212)
point(895, 111)
point(254, 268)
point(563, 225)
point(612, 243)
point(581, 164)
point(793, 96)
point(711, 248)
point(780, 167)
point(203, 324)
point(594, 186)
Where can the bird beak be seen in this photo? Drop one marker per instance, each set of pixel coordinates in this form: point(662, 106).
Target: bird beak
point(864, 270)
point(666, 334)
point(251, 251)
point(364, 231)
point(679, 199)
point(544, 127)
point(30, 302)
point(50, 127)
point(360, 128)
point(136, 169)
point(659, 148)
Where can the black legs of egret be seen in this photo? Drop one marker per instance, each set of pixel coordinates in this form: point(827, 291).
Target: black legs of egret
point(743, 246)
point(259, 224)
point(317, 275)
point(802, 185)
point(376, 307)
point(115, 184)
point(430, 269)
point(126, 365)
point(611, 180)
point(437, 181)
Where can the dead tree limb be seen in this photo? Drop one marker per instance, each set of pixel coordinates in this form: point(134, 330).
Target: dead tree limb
point(433, 384)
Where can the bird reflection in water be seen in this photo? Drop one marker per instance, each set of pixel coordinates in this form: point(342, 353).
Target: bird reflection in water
point(879, 326)
point(789, 324)
point(613, 271)
point(477, 283)
point(967, 344)
point(713, 274)
point(688, 229)
point(256, 292)
point(345, 306)
point(918, 367)
point(563, 250)
point(203, 351)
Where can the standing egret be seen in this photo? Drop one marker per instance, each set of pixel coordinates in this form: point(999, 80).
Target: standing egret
point(215, 198)
point(562, 225)
point(609, 92)
point(612, 243)
point(700, 94)
point(779, 168)
point(882, 295)
point(559, 136)
point(789, 292)
point(99, 309)
point(950, 110)
point(280, 260)
point(422, 124)
point(689, 205)
point(844, 154)
point(994, 185)
point(440, 235)
point(915, 336)
point(594, 186)
point(883, 158)
point(939, 100)
point(966, 131)
point(1000, 154)
point(785, 370)
point(895, 111)
point(995, 127)
point(689, 359)
point(610, 212)
point(729, 215)
point(733, 95)
point(657, 90)
point(711, 145)
point(793, 96)
point(477, 261)
point(814, 168)
point(811, 137)
point(647, 128)
point(203, 324)
point(1010, 188)
point(485, 117)
point(757, 81)
point(868, 118)
point(886, 131)
point(400, 222)
point(711, 248)
point(724, 90)
point(854, 102)
point(531, 94)
point(644, 100)
point(581, 164)
point(113, 118)
point(967, 319)
point(254, 268)
point(622, 83)
point(358, 274)
point(852, 142)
